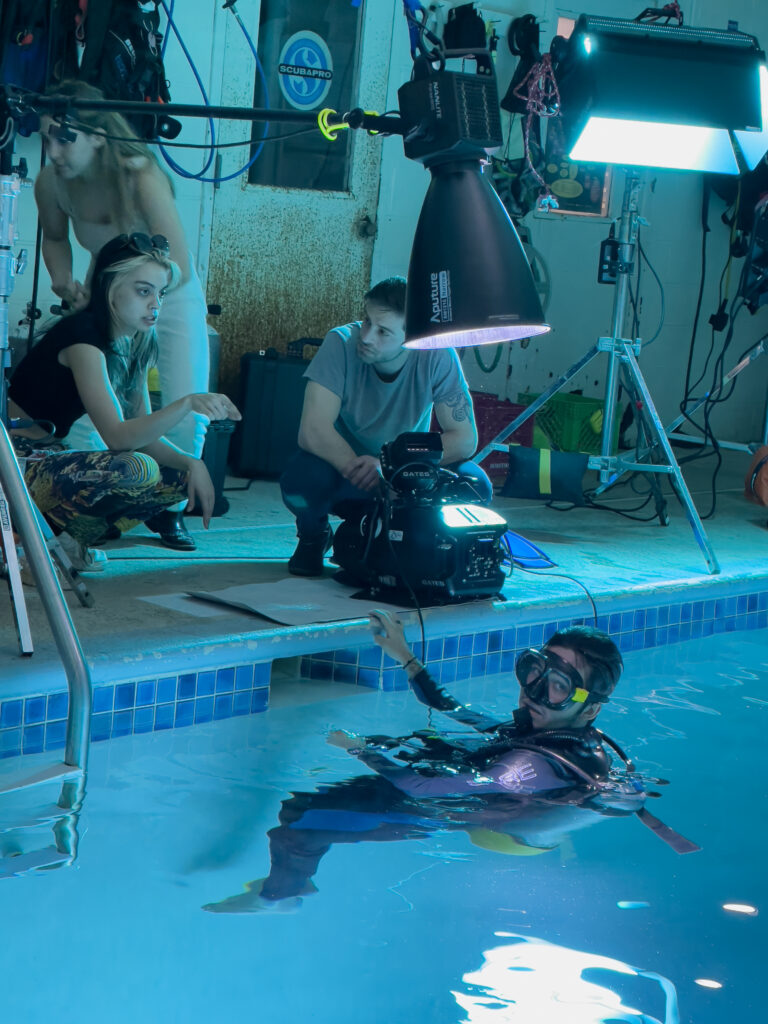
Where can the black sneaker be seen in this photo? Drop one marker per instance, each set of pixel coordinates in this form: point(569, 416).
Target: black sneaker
point(307, 559)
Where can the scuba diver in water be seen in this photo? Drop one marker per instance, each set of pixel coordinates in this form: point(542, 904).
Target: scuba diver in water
point(516, 787)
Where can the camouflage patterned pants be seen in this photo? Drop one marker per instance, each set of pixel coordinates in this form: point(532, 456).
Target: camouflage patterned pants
point(84, 493)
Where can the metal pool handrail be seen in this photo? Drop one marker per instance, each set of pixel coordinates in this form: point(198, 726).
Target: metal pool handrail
point(55, 606)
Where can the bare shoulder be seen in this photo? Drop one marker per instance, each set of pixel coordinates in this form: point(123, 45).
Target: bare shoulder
point(45, 182)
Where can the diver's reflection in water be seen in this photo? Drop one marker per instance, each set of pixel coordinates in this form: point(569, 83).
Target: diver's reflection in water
point(514, 786)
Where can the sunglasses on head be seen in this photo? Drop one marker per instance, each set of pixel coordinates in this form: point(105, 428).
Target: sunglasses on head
point(146, 244)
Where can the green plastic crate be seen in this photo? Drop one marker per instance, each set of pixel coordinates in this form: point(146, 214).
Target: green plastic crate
point(573, 423)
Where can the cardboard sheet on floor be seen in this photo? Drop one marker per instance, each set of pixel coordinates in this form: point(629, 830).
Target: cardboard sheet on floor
point(297, 602)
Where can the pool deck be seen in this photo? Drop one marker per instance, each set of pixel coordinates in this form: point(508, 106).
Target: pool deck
point(143, 623)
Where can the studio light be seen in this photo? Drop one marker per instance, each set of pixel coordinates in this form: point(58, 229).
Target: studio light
point(662, 95)
point(469, 281)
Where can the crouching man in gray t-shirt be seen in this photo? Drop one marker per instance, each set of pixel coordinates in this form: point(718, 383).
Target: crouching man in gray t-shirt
point(364, 389)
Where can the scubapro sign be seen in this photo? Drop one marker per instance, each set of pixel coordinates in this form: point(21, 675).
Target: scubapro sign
point(305, 70)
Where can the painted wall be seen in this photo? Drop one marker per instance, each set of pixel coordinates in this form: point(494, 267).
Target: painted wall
point(580, 309)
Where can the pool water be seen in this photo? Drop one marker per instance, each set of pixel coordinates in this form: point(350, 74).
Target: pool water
point(611, 925)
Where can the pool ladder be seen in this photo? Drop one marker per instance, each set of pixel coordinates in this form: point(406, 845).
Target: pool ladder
point(72, 771)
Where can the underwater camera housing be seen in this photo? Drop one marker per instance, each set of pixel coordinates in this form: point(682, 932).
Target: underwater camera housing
point(420, 540)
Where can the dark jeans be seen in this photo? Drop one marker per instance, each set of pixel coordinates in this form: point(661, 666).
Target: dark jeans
point(312, 489)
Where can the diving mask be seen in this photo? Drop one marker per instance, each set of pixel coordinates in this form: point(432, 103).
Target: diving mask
point(550, 681)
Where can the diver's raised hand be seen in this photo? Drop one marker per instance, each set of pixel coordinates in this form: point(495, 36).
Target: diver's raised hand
point(388, 634)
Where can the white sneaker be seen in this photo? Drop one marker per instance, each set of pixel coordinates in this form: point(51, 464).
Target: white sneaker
point(83, 558)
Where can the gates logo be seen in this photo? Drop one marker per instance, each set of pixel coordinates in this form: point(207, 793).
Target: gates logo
point(305, 70)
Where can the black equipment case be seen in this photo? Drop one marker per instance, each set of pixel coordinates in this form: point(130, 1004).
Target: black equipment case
point(272, 395)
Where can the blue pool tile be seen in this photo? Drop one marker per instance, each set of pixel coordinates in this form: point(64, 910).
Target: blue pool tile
point(466, 644)
point(508, 659)
point(478, 665)
point(166, 691)
point(448, 673)
point(33, 739)
point(260, 699)
point(125, 696)
point(34, 710)
point(674, 614)
point(685, 630)
point(752, 600)
point(262, 673)
point(685, 613)
point(762, 601)
point(731, 605)
point(673, 634)
point(638, 621)
point(55, 735)
point(103, 699)
point(698, 611)
point(762, 619)
point(435, 650)
point(651, 617)
point(708, 627)
point(719, 608)
point(346, 656)
point(603, 623)
point(638, 640)
point(627, 621)
point(222, 706)
point(145, 693)
point(164, 716)
point(323, 656)
point(370, 657)
point(225, 680)
point(387, 679)
point(320, 670)
point(508, 639)
point(388, 662)
point(664, 615)
point(742, 603)
point(186, 685)
point(494, 641)
point(368, 677)
point(450, 647)
point(241, 705)
point(10, 713)
point(719, 625)
point(493, 664)
point(101, 726)
point(204, 709)
point(185, 713)
point(536, 636)
point(463, 668)
point(206, 684)
point(480, 645)
point(697, 628)
point(523, 637)
point(143, 719)
point(709, 610)
point(345, 673)
point(58, 705)
point(10, 742)
point(624, 641)
point(661, 635)
point(243, 677)
point(122, 723)
point(650, 638)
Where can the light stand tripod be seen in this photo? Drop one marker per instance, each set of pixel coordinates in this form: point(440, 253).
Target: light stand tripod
point(622, 365)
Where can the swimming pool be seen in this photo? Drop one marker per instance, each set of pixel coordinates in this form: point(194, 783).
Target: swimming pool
point(609, 925)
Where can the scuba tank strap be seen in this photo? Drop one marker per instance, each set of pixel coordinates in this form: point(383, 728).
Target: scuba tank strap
point(678, 843)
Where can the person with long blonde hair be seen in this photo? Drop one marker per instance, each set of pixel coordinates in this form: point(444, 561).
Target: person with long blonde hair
point(95, 362)
point(101, 181)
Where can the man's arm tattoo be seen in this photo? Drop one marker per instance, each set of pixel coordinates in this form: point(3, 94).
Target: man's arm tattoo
point(460, 406)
